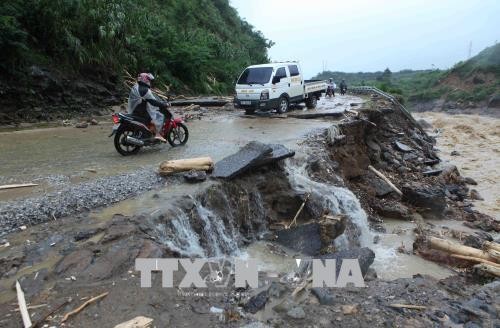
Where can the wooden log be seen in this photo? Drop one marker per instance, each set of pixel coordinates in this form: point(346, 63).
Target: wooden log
point(493, 270)
point(455, 248)
point(408, 306)
point(474, 259)
point(21, 185)
point(137, 322)
point(22, 306)
point(81, 307)
point(182, 165)
point(383, 177)
point(491, 245)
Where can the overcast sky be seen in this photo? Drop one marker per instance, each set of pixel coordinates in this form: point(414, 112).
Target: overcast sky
point(364, 35)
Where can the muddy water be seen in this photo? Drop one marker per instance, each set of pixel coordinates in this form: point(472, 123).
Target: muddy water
point(83, 154)
point(477, 140)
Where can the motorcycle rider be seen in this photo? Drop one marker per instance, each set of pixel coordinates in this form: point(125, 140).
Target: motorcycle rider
point(343, 87)
point(331, 86)
point(143, 103)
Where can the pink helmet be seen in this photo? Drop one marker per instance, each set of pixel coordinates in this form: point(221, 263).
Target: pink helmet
point(146, 78)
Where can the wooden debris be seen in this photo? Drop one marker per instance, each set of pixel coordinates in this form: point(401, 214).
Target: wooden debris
point(81, 307)
point(456, 248)
point(383, 177)
point(137, 322)
point(182, 165)
point(491, 245)
point(408, 306)
point(190, 107)
point(21, 185)
point(56, 308)
point(294, 221)
point(352, 112)
point(490, 269)
point(22, 306)
point(475, 259)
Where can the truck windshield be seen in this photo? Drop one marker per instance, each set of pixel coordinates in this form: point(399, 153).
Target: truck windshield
point(257, 75)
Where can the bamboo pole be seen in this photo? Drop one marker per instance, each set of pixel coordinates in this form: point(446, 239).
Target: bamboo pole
point(408, 306)
point(21, 185)
point(455, 248)
point(491, 245)
point(474, 259)
point(383, 177)
point(294, 221)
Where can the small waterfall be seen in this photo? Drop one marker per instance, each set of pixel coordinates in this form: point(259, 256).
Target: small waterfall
point(178, 234)
point(337, 199)
point(183, 238)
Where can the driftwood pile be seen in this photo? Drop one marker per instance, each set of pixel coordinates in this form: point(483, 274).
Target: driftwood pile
point(486, 260)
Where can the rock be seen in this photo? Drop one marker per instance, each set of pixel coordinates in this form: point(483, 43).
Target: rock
point(402, 147)
point(285, 306)
point(195, 176)
point(332, 132)
point(81, 125)
point(278, 153)
point(424, 124)
point(428, 198)
point(393, 210)
point(277, 289)
point(455, 153)
point(310, 238)
point(494, 101)
point(350, 309)
point(364, 255)
point(324, 296)
point(470, 181)
point(74, 263)
point(304, 238)
point(474, 194)
point(373, 145)
point(246, 158)
point(93, 122)
point(380, 187)
point(150, 249)
point(296, 312)
point(256, 302)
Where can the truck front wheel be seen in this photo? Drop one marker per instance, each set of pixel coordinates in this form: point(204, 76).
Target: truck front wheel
point(311, 102)
point(282, 105)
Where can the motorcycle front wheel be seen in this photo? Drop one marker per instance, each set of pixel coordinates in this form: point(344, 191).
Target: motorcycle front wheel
point(122, 147)
point(178, 136)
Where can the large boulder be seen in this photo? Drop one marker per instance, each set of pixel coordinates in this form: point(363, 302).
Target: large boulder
point(252, 155)
point(427, 198)
point(313, 237)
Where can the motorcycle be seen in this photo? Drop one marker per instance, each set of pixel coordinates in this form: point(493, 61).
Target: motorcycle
point(330, 91)
point(343, 90)
point(131, 133)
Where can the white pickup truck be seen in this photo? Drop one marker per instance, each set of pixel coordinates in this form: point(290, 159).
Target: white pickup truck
point(275, 86)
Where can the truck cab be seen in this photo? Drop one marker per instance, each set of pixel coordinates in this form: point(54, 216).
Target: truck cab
point(273, 86)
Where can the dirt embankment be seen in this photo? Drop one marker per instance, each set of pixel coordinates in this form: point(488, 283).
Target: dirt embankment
point(42, 95)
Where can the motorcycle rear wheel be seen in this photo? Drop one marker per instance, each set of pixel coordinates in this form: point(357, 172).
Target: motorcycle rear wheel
point(178, 136)
point(121, 146)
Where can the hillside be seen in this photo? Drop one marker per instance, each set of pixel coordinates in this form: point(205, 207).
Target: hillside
point(66, 56)
point(469, 84)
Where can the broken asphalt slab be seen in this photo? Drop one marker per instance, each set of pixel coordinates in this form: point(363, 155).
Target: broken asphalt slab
point(253, 154)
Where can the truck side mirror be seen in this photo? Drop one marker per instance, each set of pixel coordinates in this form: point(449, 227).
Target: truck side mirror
point(276, 79)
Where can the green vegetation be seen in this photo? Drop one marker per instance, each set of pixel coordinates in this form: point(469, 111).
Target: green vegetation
point(427, 85)
point(192, 45)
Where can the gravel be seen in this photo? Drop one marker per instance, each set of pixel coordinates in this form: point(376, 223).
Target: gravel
point(76, 198)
